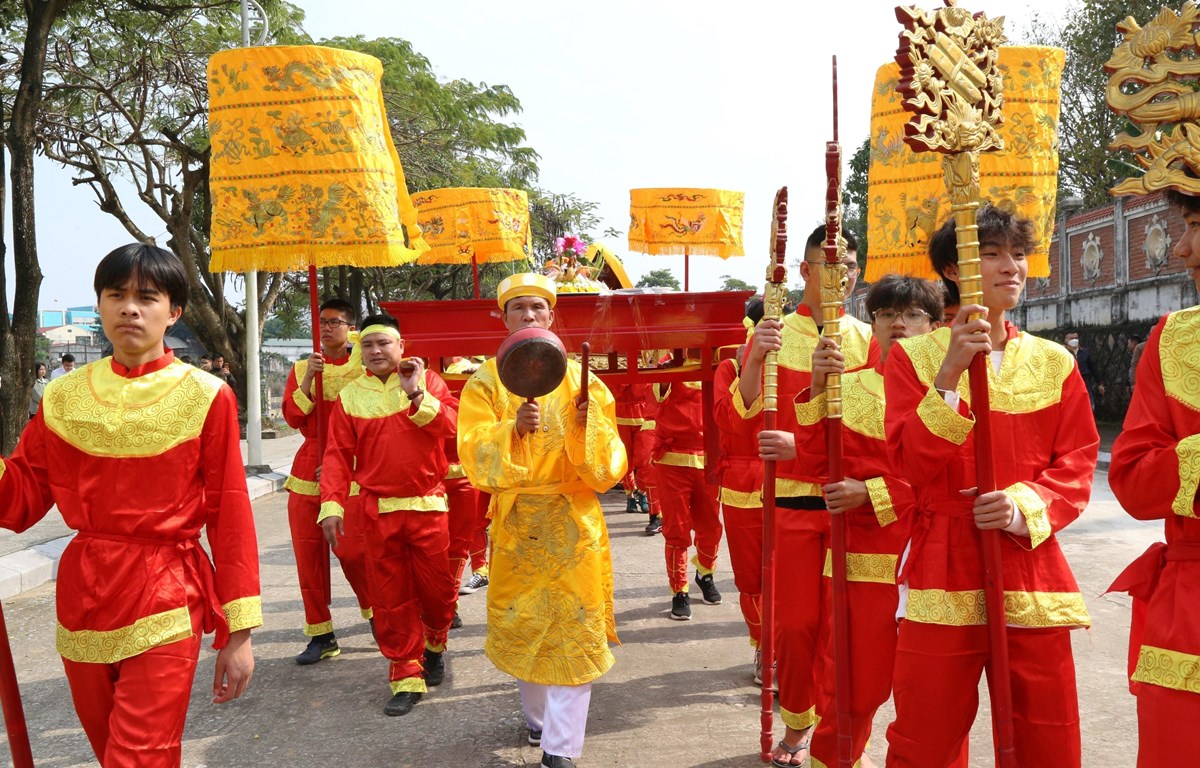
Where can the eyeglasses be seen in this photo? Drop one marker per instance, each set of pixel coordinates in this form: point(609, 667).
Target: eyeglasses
point(332, 322)
point(852, 270)
point(911, 317)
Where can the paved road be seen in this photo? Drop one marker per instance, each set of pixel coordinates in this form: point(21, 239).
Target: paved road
point(680, 694)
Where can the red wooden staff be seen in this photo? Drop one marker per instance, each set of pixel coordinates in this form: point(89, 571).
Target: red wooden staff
point(833, 282)
point(774, 296)
point(10, 700)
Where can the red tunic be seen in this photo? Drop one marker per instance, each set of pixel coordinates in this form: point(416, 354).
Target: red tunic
point(300, 412)
point(1044, 444)
point(679, 425)
point(138, 461)
point(740, 467)
point(1155, 473)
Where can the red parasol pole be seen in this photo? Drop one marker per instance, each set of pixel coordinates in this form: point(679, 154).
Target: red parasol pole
point(774, 296)
point(833, 282)
point(475, 273)
point(318, 397)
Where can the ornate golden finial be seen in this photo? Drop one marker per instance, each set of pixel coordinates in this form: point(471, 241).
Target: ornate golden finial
point(1153, 79)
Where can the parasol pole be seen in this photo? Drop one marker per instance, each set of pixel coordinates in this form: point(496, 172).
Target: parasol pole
point(687, 260)
point(254, 455)
point(774, 296)
point(950, 81)
point(475, 272)
point(833, 288)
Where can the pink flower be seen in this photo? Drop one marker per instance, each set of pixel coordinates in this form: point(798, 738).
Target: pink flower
point(559, 246)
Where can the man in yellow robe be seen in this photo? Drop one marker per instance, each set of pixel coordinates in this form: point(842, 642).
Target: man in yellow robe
point(550, 603)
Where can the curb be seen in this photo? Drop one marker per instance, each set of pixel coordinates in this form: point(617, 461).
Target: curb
point(22, 571)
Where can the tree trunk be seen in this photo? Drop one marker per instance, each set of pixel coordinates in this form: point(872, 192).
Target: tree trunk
point(17, 346)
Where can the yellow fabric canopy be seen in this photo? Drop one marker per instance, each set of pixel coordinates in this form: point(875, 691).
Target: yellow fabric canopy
point(598, 254)
point(303, 168)
point(698, 222)
point(460, 222)
point(906, 191)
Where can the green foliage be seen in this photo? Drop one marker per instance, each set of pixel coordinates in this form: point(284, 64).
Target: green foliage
point(733, 284)
point(1089, 34)
point(854, 198)
point(659, 278)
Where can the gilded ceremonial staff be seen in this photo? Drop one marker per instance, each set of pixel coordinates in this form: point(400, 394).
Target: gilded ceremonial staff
point(774, 296)
point(833, 293)
point(951, 84)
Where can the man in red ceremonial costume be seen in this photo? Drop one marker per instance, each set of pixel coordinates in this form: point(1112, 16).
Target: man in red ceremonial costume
point(877, 505)
point(631, 409)
point(386, 434)
point(740, 491)
point(337, 367)
point(136, 590)
point(468, 507)
point(1155, 473)
point(801, 522)
point(550, 609)
point(1044, 445)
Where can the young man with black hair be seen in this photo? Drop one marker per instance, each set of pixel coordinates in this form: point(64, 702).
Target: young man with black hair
point(1155, 474)
point(136, 590)
point(1044, 448)
point(876, 502)
point(337, 365)
point(385, 435)
point(66, 365)
point(801, 522)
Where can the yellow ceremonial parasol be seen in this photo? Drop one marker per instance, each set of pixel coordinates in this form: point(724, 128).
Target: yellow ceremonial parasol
point(907, 197)
point(476, 225)
point(706, 222)
point(609, 266)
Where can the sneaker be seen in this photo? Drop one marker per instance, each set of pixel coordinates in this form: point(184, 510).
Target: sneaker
point(375, 637)
point(758, 666)
point(320, 647)
point(435, 668)
point(681, 607)
point(709, 588)
point(401, 704)
point(535, 738)
point(477, 582)
point(556, 761)
point(643, 500)
point(631, 504)
point(655, 525)
point(456, 622)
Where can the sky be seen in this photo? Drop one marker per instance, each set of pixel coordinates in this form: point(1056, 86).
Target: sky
point(616, 94)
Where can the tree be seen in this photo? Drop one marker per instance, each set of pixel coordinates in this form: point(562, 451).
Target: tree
point(733, 284)
point(854, 198)
point(1087, 126)
point(24, 59)
point(659, 278)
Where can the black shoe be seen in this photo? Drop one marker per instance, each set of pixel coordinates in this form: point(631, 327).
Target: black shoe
point(401, 704)
point(435, 668)
point(681, 607)
point(655, 525)
point(631, 504)
point(374, 636)
point(643, 500)
point(709, 588)
point(320, 647)
point(477, 582)
point(557, 761)
point(535, 737)
point(456, 622)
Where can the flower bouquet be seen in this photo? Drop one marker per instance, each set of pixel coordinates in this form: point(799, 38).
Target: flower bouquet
point(571, 273)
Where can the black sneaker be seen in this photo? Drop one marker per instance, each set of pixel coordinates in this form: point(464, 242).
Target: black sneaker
point(456, 622)
point(535, 738)
point(320, 647)
point(631, 504)
point(655, 525)
point(375, 637)
point(401, 704)
point(556, 761)
point(709, 588)
point(643, 500)
point(477, 582)
point(435, 668)
point(681, 607)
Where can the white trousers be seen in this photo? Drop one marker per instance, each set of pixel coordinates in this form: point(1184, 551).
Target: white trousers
point(559, 712)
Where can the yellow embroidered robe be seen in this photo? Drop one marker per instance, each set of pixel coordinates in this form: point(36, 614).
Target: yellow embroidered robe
point(550, 602)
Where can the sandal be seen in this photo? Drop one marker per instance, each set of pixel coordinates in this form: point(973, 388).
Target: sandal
point(803, 745)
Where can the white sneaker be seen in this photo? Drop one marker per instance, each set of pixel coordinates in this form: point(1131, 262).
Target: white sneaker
point(477, 582)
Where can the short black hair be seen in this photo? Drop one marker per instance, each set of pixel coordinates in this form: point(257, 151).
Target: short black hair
point(996, 227)
point(67, 358)
point(206, 357)
point(153, 266)
point(898, 292)
point(381, 318)
point(755, 308)
point(817, 239)
point(341, 305)
point(1183, 201)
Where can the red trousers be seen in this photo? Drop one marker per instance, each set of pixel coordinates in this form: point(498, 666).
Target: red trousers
point(1166, 726)
point(408, 566)
point(744, 535)
point(689, 504)
point(312, 560)
point(801, 617)
point(872, 609)
point(936, 690)
point(468, 525)
point(133, 710)
point(639, 444)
